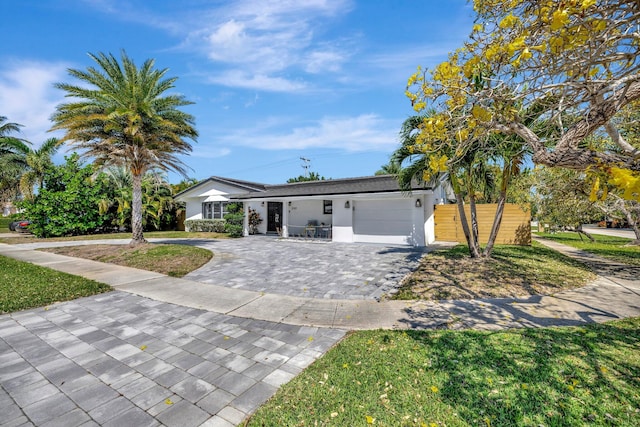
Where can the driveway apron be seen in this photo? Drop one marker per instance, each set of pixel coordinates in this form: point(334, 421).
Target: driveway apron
point(118, 359)
point(307, 269)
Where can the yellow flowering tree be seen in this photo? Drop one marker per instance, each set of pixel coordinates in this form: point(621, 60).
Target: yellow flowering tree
point(575, 60)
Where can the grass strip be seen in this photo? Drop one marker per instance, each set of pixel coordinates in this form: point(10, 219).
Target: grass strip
point(172, 260)
point(4, 224)
point(569, 376)
point(24, 285)
point(513, 271)
point(28, 238)
point(610, 247)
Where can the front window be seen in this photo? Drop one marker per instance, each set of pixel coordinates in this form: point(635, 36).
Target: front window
point(214, 210)
point(327, 206)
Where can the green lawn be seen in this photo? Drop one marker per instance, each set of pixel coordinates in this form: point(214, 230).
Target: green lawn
point(149, 234)
point(574, 376)
point(172, 260)
point(24, 285)
point(605, 246)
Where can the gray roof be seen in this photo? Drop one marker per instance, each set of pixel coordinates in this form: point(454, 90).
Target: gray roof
point(244, 185)
point(361, 185)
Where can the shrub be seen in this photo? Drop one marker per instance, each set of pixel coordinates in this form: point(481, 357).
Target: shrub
point(205, 225)
point(234, 220)
point(4, 224)
point(68, 203)
point(254, 221)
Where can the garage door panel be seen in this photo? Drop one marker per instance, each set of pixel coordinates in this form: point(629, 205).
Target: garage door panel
point(383, 214)
point(383, 217)
point(389, 228)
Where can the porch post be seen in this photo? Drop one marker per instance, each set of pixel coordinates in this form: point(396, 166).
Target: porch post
point(285, 218)
point(245, 222)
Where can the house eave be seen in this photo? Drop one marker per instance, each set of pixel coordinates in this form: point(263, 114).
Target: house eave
point(346, 195)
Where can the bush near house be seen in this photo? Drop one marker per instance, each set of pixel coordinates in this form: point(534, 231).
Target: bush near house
point(4, 224)
point(234, 220)
point(68, 202)
point(204, 225)
point(254, 221)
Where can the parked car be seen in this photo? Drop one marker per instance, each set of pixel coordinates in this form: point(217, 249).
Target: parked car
point(23, 226)
point(14, 224)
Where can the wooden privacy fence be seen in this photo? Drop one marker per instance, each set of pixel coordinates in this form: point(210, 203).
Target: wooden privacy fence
point(514, 230)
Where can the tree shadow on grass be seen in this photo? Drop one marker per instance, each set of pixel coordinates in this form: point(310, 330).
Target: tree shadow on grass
point(553, 376)
point(187, 242)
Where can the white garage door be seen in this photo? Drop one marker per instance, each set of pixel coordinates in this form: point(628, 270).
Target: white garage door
point(383, 221)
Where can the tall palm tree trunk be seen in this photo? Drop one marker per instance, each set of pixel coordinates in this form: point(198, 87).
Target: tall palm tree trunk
point(136, 211)
point(473, 247)
point(495, 228)
point(472, 208)
point(497, 219)
point(457, 191)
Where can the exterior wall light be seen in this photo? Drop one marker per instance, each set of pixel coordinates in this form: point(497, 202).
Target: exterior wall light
point(418, 203)
point(347, 205)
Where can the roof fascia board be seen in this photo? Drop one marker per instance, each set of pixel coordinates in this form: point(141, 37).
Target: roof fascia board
point(350, 196)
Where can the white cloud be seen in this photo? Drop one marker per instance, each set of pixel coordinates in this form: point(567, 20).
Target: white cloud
point(27, 96)
point(252, 102)
point(322, 61)
point(209, 153)
point(262, 39)
point(367, 132)
point(242, 79)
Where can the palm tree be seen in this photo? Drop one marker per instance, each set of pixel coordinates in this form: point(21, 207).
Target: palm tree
point(391, 168)
point(469, 176)
point(158, 205)
point(122, 118)
point(120, 184)
point(38, 162)
point(417, 163)
point(413, 166)
point(13, 153)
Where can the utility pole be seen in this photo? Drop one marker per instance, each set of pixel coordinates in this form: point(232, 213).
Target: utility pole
point(306, 164)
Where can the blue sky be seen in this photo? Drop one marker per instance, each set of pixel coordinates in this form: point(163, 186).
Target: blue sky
point(272, 81)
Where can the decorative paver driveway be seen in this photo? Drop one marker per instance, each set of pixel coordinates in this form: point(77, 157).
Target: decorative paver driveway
point(311, 269)
point(118, 359)
point(305, 268)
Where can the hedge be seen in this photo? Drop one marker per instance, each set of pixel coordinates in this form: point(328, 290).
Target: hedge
point(4, 224)
point(205, 225)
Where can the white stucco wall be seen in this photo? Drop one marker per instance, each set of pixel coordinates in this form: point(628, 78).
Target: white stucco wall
point(301, 212)
point(342, 221)
point(429, 221)
point(194, 198)
point(194, 207)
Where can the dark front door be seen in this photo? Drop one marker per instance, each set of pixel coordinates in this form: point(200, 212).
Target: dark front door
point(274, 217)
